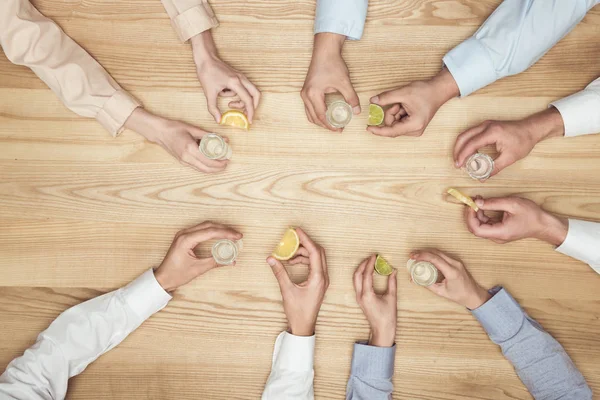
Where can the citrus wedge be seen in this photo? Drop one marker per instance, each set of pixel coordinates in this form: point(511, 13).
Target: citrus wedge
point(463, 198)
point(235, 118)
point(288, 245)
point(382, 267)
point(376, 115)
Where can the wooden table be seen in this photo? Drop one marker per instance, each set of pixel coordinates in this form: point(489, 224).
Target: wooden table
point(83, 213)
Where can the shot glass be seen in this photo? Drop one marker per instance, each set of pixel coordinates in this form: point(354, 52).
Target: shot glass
point(215, 147)
point(226, 251)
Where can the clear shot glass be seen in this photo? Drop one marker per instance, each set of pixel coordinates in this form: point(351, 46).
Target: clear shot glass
point(215, 147)
point(226, 251)
point(423, 273)
point(479, 166)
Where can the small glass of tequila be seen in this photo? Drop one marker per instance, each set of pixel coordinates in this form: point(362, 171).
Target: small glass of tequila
point(339, 113)
point(479, 166)
point(423, 273)
point(215, 147)
point(226, 251)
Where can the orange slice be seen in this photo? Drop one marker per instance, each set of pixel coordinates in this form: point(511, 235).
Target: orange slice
point(235, 118)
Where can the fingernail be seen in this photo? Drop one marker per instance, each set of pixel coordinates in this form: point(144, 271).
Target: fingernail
point(374, 99)
point(271, 261)
point(479, 202)
point(456, 164)
point(356, 110)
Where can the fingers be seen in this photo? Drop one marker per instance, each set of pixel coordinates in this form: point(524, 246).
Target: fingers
point(253, 90)
point(439, 288)
point(390, 114)
point(392, 285)
point(300, 260)
point(194, 238)
point(213, 108)
point(316, 109)
point(357, 278)
point(244, 96)
point(474, 144)
point(203, 265)
point(501, 162)
point(467, 135)
point(316, 267)
point(439, 262)
point(507, 204)
point(280, 273)
point(368, 275)
point(237, 104)
point(202, 225)
point(350, 96)
point(203, 164)
point(407, 126)
point(389, 97)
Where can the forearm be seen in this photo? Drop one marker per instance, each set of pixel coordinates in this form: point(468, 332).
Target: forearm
point(292, 371)
point(342, 17)
point(30, 39)
point(204, 48)
point(371, 373)
point(540, 361)
point(514, 37)
point(79, 336)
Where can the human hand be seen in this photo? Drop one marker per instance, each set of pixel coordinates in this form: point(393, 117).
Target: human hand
point(220, 79)
point(181, 265)
point(412, 107)
point(381, 310)
point(458, 284)
point(520, 219)
point(327, 73)
point(178, 138)
point(302, 302)
point(513, 140)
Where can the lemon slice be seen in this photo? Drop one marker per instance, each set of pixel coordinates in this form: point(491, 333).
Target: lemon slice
point(235, 118)
point(288, 245)
point(382, 267)
point(376, 115)
point(463, 198)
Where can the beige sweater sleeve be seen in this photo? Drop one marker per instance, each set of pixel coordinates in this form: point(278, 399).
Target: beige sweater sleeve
point(190, 17)
point(28, 38)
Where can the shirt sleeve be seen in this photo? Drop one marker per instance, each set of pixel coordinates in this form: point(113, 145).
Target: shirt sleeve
point(30, 39)
point(583, 243)
point(371, 373)
point(344, 17)
point(581, 111)
point(292, 371)
point(514, 37)
point(190, 17)
point(78, 337)
point(539, 360)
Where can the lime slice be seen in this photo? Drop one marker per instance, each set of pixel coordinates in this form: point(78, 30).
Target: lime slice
point(382, 267)
point(288, 245)
point(376, 115)
point(463, 198)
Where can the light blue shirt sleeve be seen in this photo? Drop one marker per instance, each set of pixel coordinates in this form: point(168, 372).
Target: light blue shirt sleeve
point(371, 373)
point(344, 17)
point(514, 37)
point(540, 361)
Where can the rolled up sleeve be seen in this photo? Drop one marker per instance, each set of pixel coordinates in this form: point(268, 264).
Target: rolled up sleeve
point(581, 111)
point(344, 17)
point(190, 17)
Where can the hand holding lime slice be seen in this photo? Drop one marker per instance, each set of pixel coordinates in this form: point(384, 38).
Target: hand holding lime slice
point(382, 267)
point(376, 115)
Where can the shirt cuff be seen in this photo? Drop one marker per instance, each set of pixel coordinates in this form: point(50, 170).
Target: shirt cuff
point(145, 296)
point(580, 113)
point(373, 362)
point(583, 243)
point(342, 17)
point(195, 20)
point(294, 353)
point(470, 66)
point(116, 110)
point(501, 316)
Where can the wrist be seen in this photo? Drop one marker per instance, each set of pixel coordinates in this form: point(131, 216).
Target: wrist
point(478, 298)
point(326, 44)
point(301, 329)
point(545, 124)
point(553, 229)
point(444, 87)
point(163, 280)
point(146, 124)
point(203, 48)
point(383, 338)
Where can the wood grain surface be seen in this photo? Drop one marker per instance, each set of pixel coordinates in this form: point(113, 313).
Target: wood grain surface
point(82, 213)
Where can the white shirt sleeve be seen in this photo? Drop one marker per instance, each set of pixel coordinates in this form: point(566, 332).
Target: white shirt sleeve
point(78, 337)
point(513, 38)
point(581, 111)
point(292, 371)
point(344, 17)
point(583, 243)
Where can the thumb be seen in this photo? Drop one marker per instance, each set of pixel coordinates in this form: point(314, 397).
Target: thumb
point(496, 204)
point(392, 289)
point(196, 132)
point(213, 109)
point(439, 289)
point(389, 97)
point(203, 265)
point(500, 163)
point(351, 98)
point(279, 271)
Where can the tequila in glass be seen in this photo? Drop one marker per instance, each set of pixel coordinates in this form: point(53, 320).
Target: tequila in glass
point(479, 166)
point(226, 251)
point(423, 273)
point(339, 113)
point(215, 147)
